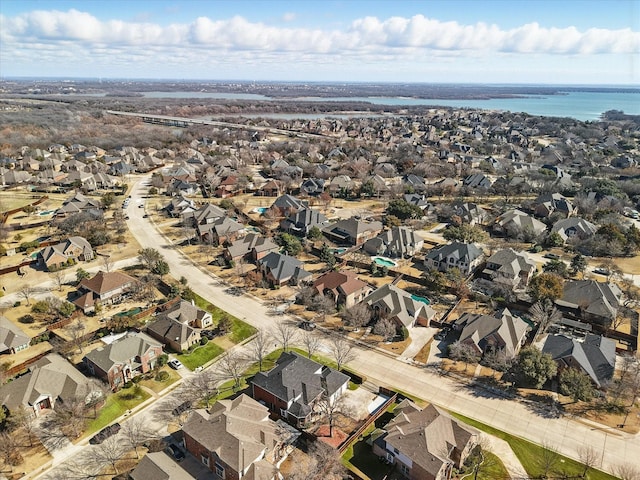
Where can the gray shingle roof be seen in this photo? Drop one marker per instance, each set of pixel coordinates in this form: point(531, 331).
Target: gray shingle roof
point(133, 345)
point(296, 377)
point(459, 251)
point(283, 267)
point(504, 331)
point(595, 354)
point(10, 335)
point(399, 304)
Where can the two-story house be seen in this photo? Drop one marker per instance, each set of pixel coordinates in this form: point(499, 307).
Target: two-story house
point(179, 327)
point(103, 287)
point(73, 249)
point(343, 287)
point(118, 362)
point(464, 256)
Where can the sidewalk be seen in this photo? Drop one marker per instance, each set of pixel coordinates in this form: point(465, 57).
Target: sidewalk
point(503, 451)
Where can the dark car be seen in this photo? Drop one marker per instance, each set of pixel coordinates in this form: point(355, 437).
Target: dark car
point(105, 433)
point(308, 326)
point(183, 407)
point(210, 334)
point(175, 452)
point(552, 256)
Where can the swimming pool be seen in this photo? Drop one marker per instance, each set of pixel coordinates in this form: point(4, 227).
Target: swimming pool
point(384, 262)
point(338, 251)
point(46, 212)
point(260, 210)
point(421, 299)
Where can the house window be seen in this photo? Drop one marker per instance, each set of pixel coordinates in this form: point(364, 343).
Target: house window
point(204, 459)
point(219, 470)
point(283, 413)
point(404, 469)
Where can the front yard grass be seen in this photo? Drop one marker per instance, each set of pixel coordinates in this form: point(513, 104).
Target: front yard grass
point(201, 355)
point(530, 455)
point(158, 386)
point(115, 406)
point(239, 330)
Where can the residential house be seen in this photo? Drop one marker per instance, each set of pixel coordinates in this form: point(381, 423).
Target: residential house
point(180, 206)
point(341, 185)
point(549, 203)
point(252, 247)
point(281, 269)
point(294, 387)
point(272, 188)
point(574, 227)
point(285, 205)
point(419, 200)
point(220, 231)
point(343, 287)
point(302, 221)
point(470, 213)
point(12, 338)
point(403, 308)
point(228, 186)
point(207, 213)
point(72, 250)
point(502, 332)
point(103, 287)
point(590, 301)
point(592, 354)
point(312, 186)
point(414, 183)
point(76, 204)
point(159, 466)
point(515, 223)
point(378, 185)
point(477, 180)
point(352, 231)
point(509, 268)
point(399, 242)
point(179, 326)
point(425, 444)
point(118, 362)
point(50, 380)
point(236, 439)
point(464, 256)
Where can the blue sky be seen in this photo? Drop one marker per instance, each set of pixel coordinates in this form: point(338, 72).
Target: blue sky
point(551, 41)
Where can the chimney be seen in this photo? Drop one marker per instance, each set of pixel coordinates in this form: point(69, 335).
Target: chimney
point(304, 393)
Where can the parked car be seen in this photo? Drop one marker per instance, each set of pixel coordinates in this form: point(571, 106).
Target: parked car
point(175, 452)
point(306, 325)
point(180, 409)
point(552, 256)
point(175, 364)
point(602, 271)
point(105, 433)
point(210, 334)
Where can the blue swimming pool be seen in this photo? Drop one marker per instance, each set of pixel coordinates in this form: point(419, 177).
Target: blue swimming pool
point(384, 262)
point(260, 210)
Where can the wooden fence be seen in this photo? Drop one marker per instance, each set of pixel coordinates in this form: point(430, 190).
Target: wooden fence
point(5, 215)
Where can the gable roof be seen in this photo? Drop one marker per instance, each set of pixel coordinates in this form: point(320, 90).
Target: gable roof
point(159, 466)
point(124, 350)
point(11, 336)
point(353, 227)
point(52, 376)
point(397, 242)
point(288, 202)
point(105, 282)
point(427, 436)
point(517, 218)
point(595, 298)
point(300, 379)
point(456, 250)
point(573, 226)
point(399, 304)
point(510, 263)
point(250, 242)
point(238, 431)
point(504, 330)
point(184, 312)
point(170, 329)
point(345, 281)
point(283, 267)
point(595, 354)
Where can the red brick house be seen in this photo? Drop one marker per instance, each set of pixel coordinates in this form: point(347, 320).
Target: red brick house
point(118, 362)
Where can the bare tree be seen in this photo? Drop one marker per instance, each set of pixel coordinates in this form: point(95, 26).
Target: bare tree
point(202, 387)
point(548, 459)
point(58, 278)
point(322, 462)
point(342, 351)
point(284, 334)
point(329, 407)
point(76, 331)
point(628, 472)
point(9, 450)
point(69, 417)
point(27, 293)
point(357, 316)
point(107, 454)
point(77, 470)
point(311, 343)
point(544, 313)
point(24, 419)
point(589, 457)
point(385, 328)
point(231, 367)
point(324, 305)
point(136, 433)
point(259, 348)
point(107, 263)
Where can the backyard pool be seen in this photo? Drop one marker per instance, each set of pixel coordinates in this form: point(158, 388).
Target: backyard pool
point(129, 313)
point(260, 210)
point(421, 299)
point(45, 213)
point(338, 251)
point(384, 262)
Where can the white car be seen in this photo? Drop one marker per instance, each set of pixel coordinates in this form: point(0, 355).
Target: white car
point(175, 364)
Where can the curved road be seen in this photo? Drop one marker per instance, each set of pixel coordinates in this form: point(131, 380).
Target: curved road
point(564, 434)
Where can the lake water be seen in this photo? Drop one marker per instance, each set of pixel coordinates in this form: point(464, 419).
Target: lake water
point(578, 105)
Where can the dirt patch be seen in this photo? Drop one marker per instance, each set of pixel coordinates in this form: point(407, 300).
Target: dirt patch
point(467, 370)
point(34, 456)
point(423, 355)
point(336, 439)
point(394, 347)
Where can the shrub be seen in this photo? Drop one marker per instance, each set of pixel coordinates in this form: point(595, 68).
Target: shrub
point(16, 303)
point(40, 307)
point(163, 359)
point(204, 340)
point(405, 333)
point(162, 376)
point(27, 319)
point(129, 384)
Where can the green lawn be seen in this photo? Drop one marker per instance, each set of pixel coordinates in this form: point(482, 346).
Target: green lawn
point(531, 455)
point(201, 355)
point(157, 386)
point(116, 405)
point(239, 330)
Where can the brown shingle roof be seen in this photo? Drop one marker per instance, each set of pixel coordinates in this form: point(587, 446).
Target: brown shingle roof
point(104, 282)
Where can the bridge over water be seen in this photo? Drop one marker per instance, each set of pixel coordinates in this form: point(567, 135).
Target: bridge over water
point(184, 122)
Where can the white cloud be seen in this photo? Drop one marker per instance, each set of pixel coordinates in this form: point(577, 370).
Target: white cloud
point(289, 17)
